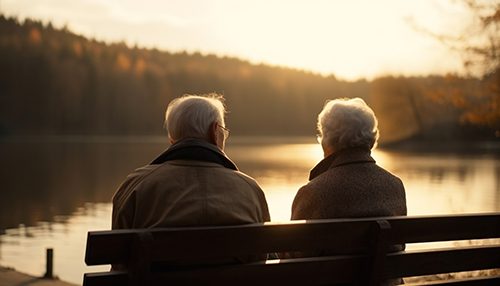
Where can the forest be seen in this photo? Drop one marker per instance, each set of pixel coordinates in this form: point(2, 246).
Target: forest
point(55, 82)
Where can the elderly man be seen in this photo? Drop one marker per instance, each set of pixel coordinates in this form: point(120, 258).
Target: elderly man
point(347, 183)
point(193, 183)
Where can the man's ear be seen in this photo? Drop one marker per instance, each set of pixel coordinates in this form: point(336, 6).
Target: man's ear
point(212, 133)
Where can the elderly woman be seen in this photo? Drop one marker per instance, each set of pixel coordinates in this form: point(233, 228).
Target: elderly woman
point(348, 183)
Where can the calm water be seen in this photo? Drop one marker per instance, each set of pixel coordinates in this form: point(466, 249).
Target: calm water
point(55, 190)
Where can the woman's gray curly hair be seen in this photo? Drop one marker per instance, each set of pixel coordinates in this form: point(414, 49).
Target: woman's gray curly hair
point(346, 123)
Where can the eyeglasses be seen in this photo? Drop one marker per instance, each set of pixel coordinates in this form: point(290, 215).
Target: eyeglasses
point(224, 130)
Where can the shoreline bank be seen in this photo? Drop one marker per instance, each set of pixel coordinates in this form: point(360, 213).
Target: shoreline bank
point(11, 277)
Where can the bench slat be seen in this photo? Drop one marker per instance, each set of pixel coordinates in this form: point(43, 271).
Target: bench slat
point(476, 281)
point(113, 246)
point(444, 228)
point(106, 247)
point(264, 239)
point(424, 262)
point(113, 278)
point(320, 271)
point(109, 247)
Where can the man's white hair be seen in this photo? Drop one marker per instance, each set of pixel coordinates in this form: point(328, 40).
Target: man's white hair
point(190, 116)
point(345, 123)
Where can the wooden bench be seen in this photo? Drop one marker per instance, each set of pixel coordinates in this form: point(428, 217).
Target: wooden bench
point(361, 245)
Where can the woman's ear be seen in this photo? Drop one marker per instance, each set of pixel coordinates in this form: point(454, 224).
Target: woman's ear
point(327, 149)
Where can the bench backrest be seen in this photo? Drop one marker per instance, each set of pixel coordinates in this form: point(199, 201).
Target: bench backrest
point(360, 246)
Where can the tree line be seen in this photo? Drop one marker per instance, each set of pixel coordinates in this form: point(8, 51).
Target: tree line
point(54, 82)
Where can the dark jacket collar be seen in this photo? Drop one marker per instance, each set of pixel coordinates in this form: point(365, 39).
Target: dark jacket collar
point(340, 158)
point(196, 150)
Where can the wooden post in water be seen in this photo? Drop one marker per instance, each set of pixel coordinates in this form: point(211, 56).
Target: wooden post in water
point(49, 273)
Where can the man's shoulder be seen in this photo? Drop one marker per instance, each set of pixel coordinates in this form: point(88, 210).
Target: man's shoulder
point(144, 170)
point(134, 178)
point(139, 174)
point(249, 180)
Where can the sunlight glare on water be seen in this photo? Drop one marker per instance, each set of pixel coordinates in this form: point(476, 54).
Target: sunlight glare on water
point(444, 184)
point(279, 186)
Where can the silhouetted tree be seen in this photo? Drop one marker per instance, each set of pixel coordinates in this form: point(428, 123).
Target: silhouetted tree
point(479, 46)
point(55, 82)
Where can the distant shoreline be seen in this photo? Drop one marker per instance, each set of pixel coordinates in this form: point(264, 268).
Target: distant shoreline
point(152, 138)
point(446, 146)
point(418, 145)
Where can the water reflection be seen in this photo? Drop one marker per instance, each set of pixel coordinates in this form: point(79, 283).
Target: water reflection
point(41, 180)
point(441, 184)
point(52, 178)
point(24, 247)
point(55, 191)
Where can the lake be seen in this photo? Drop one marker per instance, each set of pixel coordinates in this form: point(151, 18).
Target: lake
point(55, 189)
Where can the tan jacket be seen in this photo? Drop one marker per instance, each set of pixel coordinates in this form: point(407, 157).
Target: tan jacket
point(188, 193)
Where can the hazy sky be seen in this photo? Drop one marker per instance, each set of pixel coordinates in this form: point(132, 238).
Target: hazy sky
point(349, 38)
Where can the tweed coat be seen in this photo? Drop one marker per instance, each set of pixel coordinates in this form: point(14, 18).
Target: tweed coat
point(349, 184)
